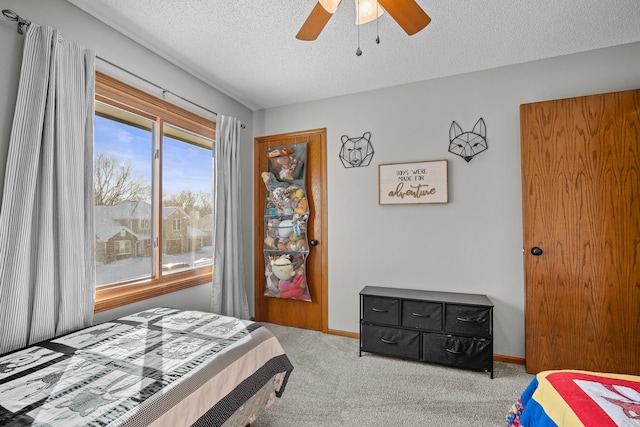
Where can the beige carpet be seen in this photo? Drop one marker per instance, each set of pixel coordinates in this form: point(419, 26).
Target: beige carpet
point(332, 386)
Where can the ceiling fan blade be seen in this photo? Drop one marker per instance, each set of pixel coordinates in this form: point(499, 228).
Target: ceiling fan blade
point(314, 24)
point(407, 13)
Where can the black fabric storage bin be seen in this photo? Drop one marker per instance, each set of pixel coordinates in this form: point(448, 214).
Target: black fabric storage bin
point(469, 353)
point(381, 310)
point(468, 320)
point(422, 315)
point(390, 341)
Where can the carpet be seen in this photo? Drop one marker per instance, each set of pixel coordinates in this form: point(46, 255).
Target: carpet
point(332, 386)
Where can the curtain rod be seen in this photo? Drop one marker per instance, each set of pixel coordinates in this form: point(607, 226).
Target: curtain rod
point(12, 16)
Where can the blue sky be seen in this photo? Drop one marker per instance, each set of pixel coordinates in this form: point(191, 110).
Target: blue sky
point(185, 166)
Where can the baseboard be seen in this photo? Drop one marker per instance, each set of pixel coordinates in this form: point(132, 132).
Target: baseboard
point(509, 359)
point(496, 357)
point(343, 333)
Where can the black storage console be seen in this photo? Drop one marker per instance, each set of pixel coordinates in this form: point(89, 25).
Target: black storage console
point(448, 328)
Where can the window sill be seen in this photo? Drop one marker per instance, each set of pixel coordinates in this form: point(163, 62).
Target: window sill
point(112, 296)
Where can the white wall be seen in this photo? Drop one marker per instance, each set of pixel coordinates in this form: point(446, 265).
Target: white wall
point(118, 49)
point(473, 243)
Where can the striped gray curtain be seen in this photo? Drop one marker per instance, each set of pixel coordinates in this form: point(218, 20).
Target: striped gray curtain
point(47, 270)
point(229, 296)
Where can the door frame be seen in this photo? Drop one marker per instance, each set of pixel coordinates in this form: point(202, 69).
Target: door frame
point(322, 234)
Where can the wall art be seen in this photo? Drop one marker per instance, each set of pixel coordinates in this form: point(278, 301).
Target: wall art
point(413, 183)
point(468, 144)
point(356, 152)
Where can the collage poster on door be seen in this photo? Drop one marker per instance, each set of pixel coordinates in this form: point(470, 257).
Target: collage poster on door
point(286, 214)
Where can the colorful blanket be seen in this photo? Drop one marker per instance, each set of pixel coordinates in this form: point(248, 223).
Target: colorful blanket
point(568, 398)
point(160, 367)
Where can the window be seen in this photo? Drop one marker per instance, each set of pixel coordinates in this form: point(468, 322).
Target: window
point(123, 247)
point(153, 186)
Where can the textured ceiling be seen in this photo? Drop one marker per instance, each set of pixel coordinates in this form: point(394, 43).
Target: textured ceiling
point(248, 50)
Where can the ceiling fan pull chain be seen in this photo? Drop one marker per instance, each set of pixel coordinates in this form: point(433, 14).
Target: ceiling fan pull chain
point(358, 52)
point(377, 21)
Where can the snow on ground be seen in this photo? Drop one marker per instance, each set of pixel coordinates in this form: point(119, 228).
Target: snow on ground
point(132, 268)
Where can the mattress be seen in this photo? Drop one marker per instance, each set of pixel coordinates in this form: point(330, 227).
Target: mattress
point(159, 367)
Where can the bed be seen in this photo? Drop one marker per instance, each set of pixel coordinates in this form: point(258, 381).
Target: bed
point(578, 399)
point(159, 367)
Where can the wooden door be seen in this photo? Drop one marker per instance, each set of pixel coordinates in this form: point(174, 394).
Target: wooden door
point(581, 208)
point(301, 314)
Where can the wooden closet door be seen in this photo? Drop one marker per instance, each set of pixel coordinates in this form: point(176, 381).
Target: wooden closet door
point(581, 208)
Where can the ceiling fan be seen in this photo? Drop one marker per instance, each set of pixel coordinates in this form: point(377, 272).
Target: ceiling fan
point(407, 13)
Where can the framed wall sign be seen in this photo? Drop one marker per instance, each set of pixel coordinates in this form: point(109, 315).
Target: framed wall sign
point(413, 183)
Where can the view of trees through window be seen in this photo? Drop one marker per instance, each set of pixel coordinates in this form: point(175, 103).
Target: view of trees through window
point(128, 167)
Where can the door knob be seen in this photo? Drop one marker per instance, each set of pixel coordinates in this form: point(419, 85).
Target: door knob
point(536, 251)
point(313, 242)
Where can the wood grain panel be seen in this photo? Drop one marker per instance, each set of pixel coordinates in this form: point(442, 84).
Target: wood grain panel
point(301, 314)
point(581, 191)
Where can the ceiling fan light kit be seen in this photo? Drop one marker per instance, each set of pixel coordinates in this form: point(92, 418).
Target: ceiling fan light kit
point(407, 13)
point(367, 11)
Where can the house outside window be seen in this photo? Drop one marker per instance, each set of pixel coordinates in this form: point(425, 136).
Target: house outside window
point(153, 185)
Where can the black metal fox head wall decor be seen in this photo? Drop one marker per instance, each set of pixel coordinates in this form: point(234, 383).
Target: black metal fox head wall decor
point(468, 144)
point(356, 152)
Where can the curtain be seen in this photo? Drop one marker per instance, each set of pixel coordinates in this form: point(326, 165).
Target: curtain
point(229, 296)
point(47, 270)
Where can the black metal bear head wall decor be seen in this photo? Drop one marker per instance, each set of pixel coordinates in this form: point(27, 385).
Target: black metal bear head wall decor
point(468, 144)
point(356, 152)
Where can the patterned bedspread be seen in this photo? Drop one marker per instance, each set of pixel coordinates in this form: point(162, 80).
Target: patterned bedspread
point(568, 398)
point(160, 367)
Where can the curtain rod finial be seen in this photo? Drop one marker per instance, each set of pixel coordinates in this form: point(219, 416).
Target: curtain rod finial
point(12, 16)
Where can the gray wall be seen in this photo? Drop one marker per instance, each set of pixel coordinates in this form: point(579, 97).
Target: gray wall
point(473, 243)
point(118, 49)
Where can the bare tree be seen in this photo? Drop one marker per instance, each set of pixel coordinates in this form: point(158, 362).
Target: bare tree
point(185, 199)
point(115, 182)
point(189, 201)
point(204, 202)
